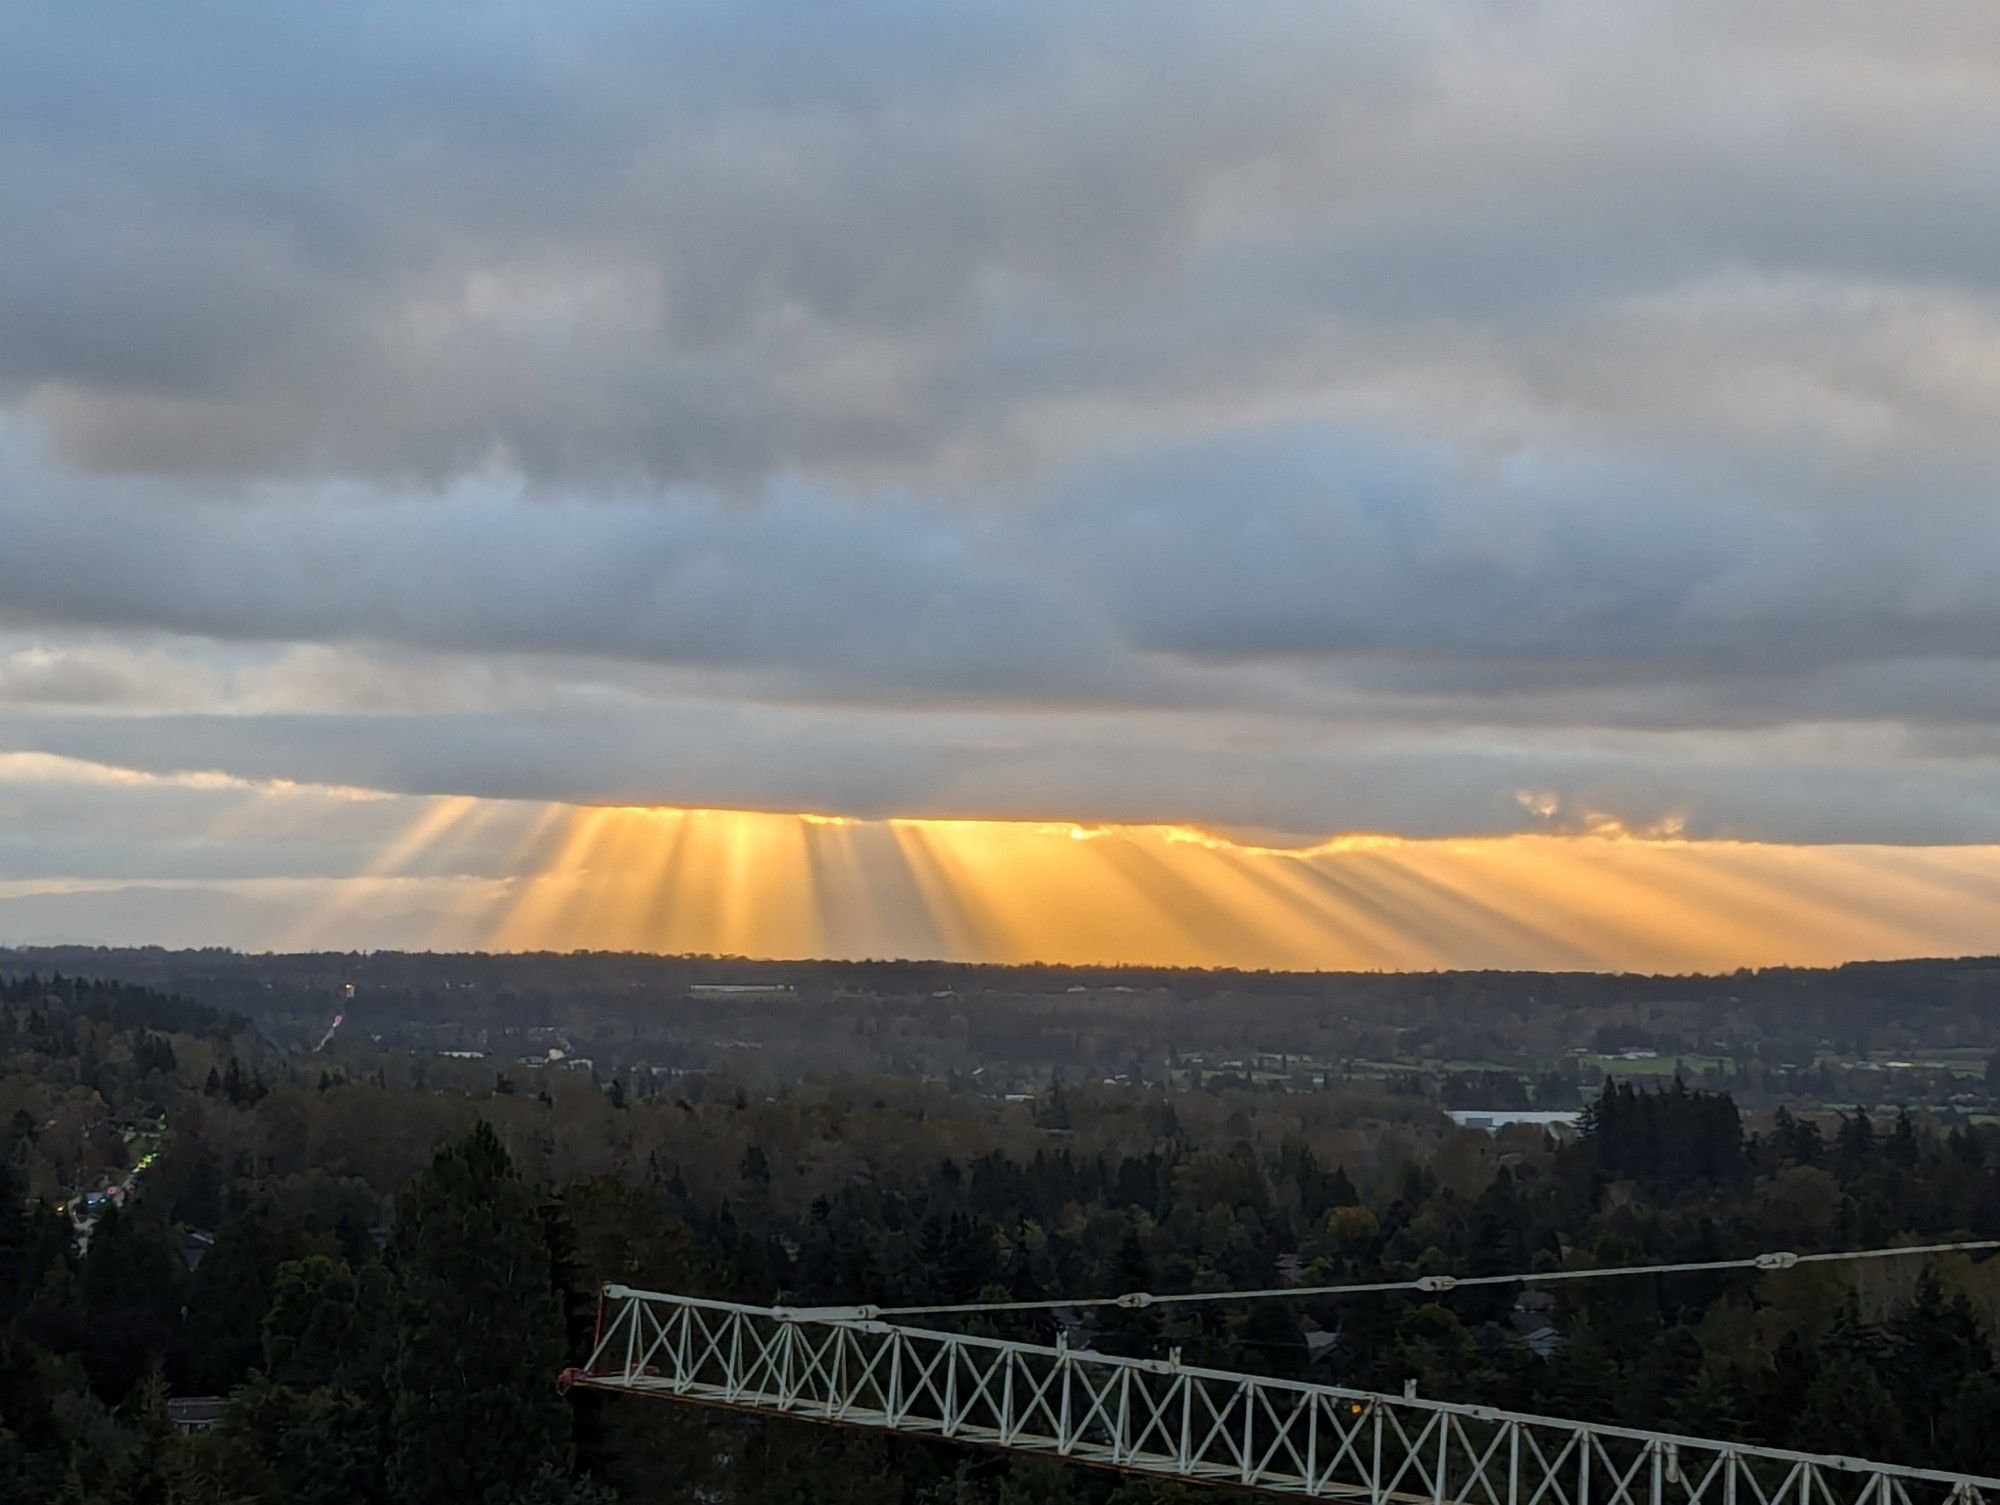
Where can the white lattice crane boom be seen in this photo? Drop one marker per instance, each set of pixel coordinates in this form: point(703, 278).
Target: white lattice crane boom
point(1162, 1418)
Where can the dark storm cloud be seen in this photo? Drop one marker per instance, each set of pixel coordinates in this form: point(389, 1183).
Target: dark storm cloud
point(1378, 408)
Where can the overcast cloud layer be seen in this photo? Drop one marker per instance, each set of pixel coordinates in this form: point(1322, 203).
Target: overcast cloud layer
point(1296, 418)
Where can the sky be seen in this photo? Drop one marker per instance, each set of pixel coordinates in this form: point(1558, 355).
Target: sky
point(1272, 484)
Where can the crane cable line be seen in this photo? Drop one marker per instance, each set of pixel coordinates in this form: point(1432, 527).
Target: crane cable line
point(1783, 1259)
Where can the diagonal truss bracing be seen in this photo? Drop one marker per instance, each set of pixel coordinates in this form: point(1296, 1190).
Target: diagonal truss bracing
point(1162, 1418)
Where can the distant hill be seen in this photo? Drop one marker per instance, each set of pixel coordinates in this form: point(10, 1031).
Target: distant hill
point(1921, 1030)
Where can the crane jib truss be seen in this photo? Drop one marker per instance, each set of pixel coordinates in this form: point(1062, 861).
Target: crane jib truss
point(1162, 1418)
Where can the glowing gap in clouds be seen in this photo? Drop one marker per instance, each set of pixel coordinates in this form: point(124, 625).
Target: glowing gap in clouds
point(796, 885)
point(219, 860)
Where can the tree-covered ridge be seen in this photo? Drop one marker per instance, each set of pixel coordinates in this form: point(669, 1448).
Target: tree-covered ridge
point(420, 1372)
point(1914, 1032)
point(122, 1007)
point(89, 1070)
point(397, 1271)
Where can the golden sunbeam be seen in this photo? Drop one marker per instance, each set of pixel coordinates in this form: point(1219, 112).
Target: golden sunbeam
point(435, 821)
point(762, 884)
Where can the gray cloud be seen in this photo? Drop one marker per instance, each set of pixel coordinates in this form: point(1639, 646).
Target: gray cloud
point(1301, 571)
point(1269, 415)
point(1271, 778)
point(665, 243)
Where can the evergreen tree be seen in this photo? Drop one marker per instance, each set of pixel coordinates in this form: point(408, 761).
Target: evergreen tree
point(1855, 1143)
point(199, 1203)
point(1848, 1410)
point(479, 1335)
point(1938, 1344)
point(1044, 1481)
point(232, 1292)
point(13, 1244)
point(315, 1446)
point(132, 1266)
point(1340, 1190)
point(49, 1247)
point(315, 1324)
point(152, 1467)
point(1710, 1404)
point(1969, 1431)
point(1129, 1330)
point(1582, 1379)
point(27, 1395)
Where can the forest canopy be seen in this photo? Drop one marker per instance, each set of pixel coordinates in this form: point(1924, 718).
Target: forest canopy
point(379, 1283)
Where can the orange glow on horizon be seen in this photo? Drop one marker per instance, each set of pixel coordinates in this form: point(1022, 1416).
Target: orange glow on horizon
point(462, 872)
point(809, 885)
